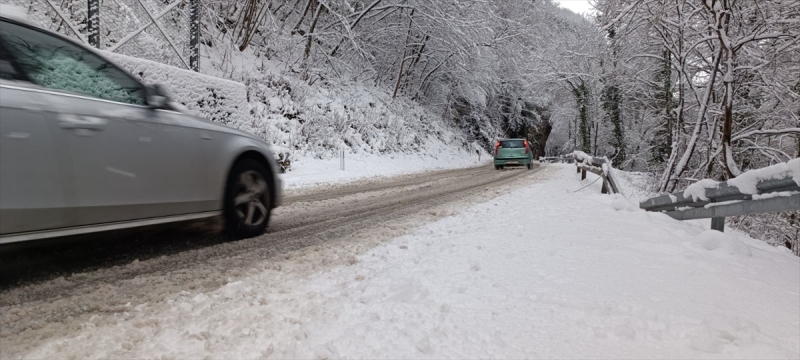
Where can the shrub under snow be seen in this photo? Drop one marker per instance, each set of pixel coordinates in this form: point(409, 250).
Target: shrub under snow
point(297, 118)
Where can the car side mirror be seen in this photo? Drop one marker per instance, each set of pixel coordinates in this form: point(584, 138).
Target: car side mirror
point(157, 97)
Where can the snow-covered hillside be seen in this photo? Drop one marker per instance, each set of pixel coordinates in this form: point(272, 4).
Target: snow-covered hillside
point(313, 122)
point(306, 116)
point(543, 272)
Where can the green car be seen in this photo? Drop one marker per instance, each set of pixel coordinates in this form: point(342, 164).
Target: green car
point(512, 152)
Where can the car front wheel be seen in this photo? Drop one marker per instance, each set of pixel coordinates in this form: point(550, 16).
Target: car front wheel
point(247, 199)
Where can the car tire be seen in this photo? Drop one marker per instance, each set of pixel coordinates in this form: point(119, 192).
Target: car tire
point(497, 167)
point(530, 166)
point(248, 200)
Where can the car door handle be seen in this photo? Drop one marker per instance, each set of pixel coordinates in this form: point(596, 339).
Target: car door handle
point(72, 121)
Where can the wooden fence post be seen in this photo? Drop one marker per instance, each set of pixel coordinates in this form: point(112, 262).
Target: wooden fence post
point(583, 174)
point(605, 186)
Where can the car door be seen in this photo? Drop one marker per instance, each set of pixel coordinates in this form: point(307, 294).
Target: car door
point(31, 171)
point(129, 161)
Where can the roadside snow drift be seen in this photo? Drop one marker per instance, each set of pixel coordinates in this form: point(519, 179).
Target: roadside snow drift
point(311, 172)
point(543, 272)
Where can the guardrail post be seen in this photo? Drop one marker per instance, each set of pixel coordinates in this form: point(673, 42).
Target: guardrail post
point(93, 22)
point(605, 186)
point(577, 168)
point(583, 174)
point(718, 223)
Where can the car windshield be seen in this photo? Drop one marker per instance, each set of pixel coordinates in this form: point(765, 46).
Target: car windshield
point(511, 144)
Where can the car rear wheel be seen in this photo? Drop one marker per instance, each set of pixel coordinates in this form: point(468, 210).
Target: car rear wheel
point(530, 166)
point(247, 199)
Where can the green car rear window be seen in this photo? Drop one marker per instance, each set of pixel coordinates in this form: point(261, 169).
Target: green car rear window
point(511, 144)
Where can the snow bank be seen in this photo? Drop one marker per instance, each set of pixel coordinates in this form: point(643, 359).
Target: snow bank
point(722, 243)
point(312, 171)
point(319, 121)
point(209, 97)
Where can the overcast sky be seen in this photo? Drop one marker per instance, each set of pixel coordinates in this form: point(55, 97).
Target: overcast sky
point(578, 6)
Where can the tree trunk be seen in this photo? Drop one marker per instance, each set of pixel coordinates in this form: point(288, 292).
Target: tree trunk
point(724, 15)
point(426, 77)
point(288, 11)
point(333, 52)
point(667, 180)
point(584, 129)
point(302, 17)
point(310, 34)
point(403, 61)
point(251, 23)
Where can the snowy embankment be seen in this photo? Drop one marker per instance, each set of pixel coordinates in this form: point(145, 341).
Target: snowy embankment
point(313, 124)
point(311, 171)
point(542, 272)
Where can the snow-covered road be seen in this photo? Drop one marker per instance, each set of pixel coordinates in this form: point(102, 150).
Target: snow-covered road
point(54, 292)
point(542, 271)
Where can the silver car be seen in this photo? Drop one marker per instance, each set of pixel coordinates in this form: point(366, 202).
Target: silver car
point(85, 147)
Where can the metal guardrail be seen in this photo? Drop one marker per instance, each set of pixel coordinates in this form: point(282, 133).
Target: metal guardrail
point(776, 191)
point(600, 166)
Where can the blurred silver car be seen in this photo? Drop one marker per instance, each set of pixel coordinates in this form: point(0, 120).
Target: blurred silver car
point(85, 147)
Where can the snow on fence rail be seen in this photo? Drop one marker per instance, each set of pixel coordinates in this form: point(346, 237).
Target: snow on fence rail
point(772, 189)
point(600, 166)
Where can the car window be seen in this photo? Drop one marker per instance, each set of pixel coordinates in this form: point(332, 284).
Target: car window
point(57, 64)
point(511, 144)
